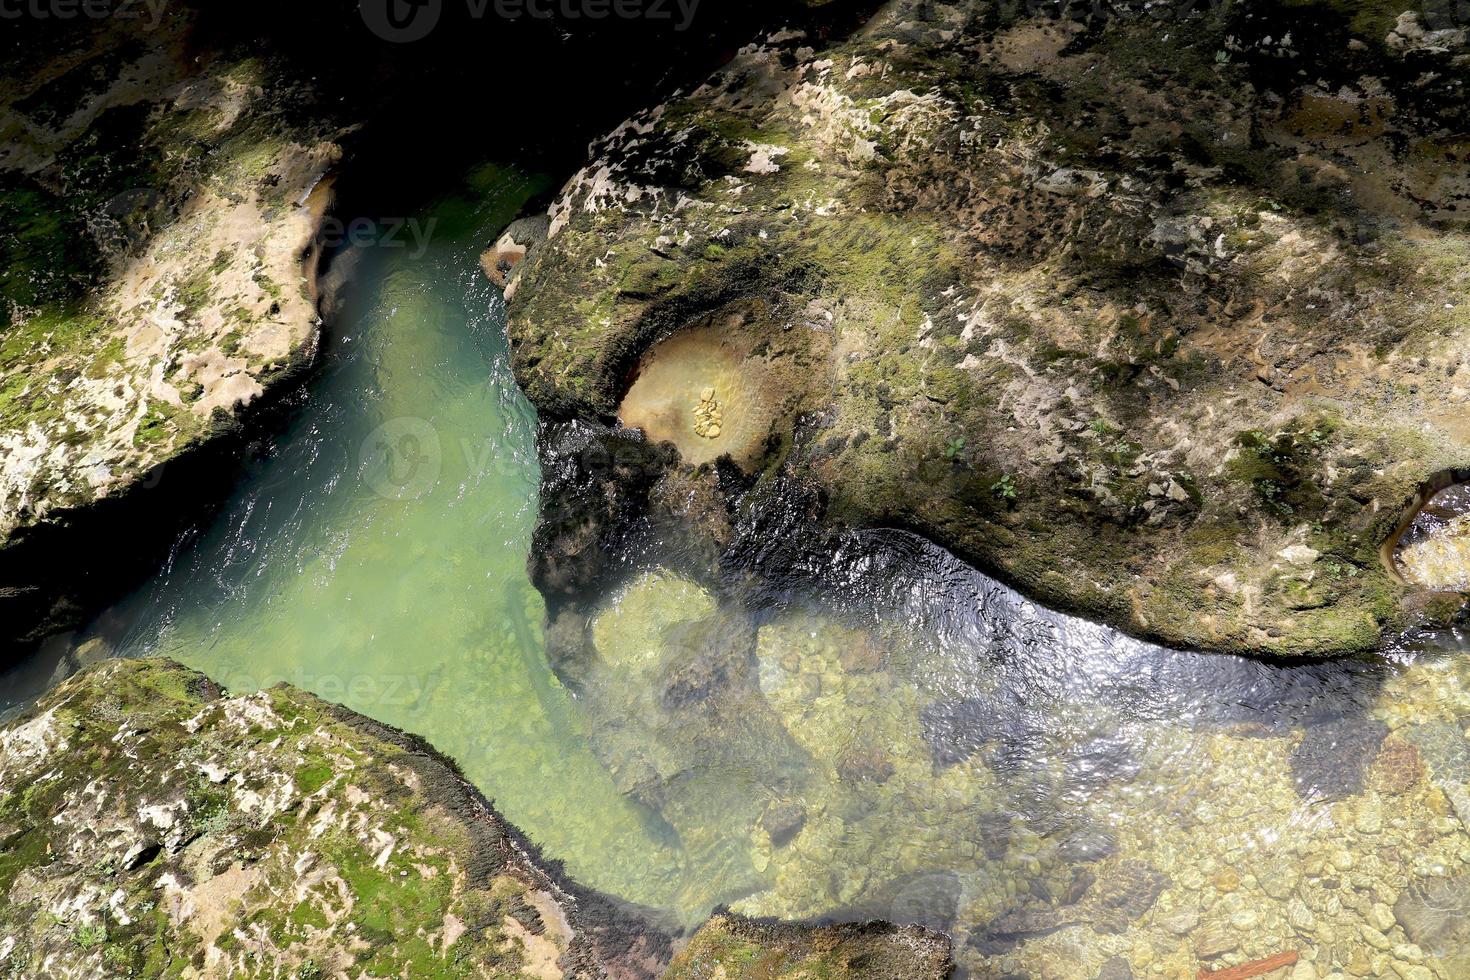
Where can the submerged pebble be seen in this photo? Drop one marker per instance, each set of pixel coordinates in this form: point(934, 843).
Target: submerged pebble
point(708, 416)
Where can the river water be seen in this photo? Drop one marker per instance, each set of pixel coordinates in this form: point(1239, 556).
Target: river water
point(884, 732)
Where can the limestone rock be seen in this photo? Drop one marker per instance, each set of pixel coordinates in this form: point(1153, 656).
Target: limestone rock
point(961, 249)
point(160, 280)
point(149, 810)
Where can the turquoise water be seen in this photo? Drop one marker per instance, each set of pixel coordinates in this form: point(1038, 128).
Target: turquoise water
point(376, 555)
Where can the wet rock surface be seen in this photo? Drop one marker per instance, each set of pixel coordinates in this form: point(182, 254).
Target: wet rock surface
point(736, 947)
point(1434, 550)
point(1131, 314)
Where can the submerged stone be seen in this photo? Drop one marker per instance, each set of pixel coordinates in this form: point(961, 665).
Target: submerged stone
point(629, 631)
point(1109, 902)
point(1443, 746)
point(736, 948)
point(1331, 761)
point(1398, 767)
point(1435, 914)
point(783, 821)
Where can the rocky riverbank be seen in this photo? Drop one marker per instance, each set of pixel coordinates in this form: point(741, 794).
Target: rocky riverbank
point(1158, 313)
point(163, 198)
point(153, 824)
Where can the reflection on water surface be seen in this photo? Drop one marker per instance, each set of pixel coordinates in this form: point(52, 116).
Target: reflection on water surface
point(868, 728)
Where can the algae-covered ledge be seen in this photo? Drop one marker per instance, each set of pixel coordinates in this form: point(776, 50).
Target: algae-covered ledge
point(1164, 326)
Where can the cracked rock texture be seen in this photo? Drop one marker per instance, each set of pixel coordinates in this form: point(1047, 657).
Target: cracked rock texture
point(1164, 311)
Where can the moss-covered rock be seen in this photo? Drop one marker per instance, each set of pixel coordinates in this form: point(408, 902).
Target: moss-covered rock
point(151, 824)
point(1158, 314)
point(161, 198)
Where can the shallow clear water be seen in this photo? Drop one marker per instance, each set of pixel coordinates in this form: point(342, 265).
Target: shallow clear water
point(866, 728)
point(1434, 551)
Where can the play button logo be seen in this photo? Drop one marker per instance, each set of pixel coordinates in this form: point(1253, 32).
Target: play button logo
point(401, 21)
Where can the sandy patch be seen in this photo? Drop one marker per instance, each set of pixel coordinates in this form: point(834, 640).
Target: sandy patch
point(673, 380)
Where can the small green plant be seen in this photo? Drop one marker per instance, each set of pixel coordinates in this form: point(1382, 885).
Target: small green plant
point(1272, 492)
point(89, 936)
point(119, 957)
point(1004, 489)
point(954, 447)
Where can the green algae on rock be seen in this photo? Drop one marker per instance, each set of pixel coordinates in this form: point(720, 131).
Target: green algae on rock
point(1166, 323)
point(162, 205)
point(156, 826)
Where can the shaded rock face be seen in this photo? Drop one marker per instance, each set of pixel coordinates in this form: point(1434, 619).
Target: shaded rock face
point(1132, 313)
point(154, 825)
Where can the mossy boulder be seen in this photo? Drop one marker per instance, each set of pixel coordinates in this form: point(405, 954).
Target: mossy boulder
point(162, 195)
point(154, 825)
point(1156, 311)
